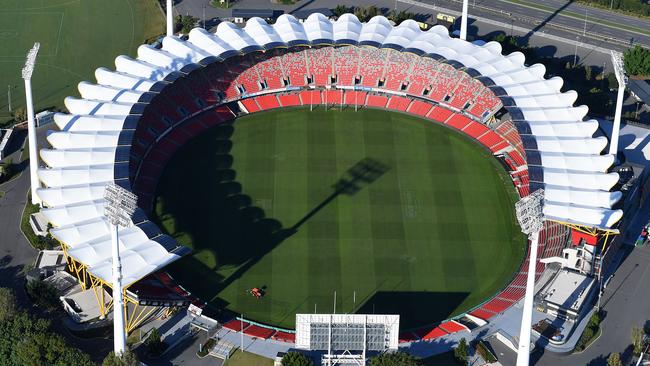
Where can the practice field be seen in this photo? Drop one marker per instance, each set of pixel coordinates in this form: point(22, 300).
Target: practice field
point(393, 213)
point(76, 37)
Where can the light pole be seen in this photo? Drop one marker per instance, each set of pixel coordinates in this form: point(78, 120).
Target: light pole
point(575, 54)
point(203, 16)
point(170, 18)
point(31, 125)
point(9, 96)
point(619, 71)
point(529, 211)
point(120, 205)
point(584, 30)
point(463, 21)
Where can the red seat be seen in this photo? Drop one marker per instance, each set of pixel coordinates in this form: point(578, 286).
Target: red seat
point(452, 327)
point(250, 105)
point(378, 101)
point(289, 100)
point(429, 333)
point(256, 331)
point(236, 325)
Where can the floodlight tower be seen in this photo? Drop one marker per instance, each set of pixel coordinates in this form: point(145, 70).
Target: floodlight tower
point(530, 215)
point(170, 18)
point(28, 69)
point(120, 205)
point(617, 61)
point(463, 21)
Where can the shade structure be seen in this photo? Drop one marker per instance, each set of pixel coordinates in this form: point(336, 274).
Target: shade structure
point(97, 138)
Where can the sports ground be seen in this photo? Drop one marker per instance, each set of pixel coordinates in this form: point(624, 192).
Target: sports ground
point(76, 37)
point(429, 236)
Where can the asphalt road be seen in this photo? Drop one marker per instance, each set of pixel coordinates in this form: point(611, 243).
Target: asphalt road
point(561, 17)
point(15, 251)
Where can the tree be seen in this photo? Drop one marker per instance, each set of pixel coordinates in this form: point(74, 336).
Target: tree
point(636, 61)
point(43, 294)
point(20, 114)
point(340, 10)
point(637, 340)
point(49, 349)
point(186, 23)
point(588, 72)
point(364, 14)
point(155, 346)
point(7, 304)
point(394, 359)
point(461, 351)
point(128, 358)
point(614, 359)
point(399, 17)
point(296, 359)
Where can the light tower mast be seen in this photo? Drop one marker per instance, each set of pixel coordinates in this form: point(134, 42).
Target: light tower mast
point(170, 18)
point(617, 61)
point(529, 211)
point(463, 21)
point(28, 69)
point(120, 205)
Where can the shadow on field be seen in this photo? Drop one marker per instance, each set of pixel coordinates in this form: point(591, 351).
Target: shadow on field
point(365, 172)
point(415, 308)
point(203, 204)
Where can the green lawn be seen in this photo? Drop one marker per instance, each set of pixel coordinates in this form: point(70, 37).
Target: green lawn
point(76, 37)
point(239, 358)
point(430, 238)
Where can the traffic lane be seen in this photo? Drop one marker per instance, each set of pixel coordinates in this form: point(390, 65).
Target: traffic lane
point(530, 17)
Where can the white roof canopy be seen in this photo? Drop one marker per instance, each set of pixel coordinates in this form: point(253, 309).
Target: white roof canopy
point(79, 162)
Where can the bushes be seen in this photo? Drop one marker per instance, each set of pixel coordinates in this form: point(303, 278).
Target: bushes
point(485, 353)
point(8, 306)
point(394, 359)
point(638, 341)
point(127, 359)
point(154, 345)
point(636, 61)
point(590, 332)
point(614, 359)
point(296, 359)
point(43, 295)
point(460, 352)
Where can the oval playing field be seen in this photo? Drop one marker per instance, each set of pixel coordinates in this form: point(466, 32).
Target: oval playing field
point(276, 201)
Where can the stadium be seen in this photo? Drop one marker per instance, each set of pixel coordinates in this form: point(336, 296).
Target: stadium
point(375, 162)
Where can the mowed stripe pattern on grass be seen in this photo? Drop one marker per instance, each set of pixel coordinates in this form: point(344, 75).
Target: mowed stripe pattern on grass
point(430, 238)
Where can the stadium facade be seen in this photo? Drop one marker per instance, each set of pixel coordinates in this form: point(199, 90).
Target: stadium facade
point(127, 125)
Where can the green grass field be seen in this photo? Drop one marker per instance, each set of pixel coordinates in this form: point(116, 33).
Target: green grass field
point(430, 238)
point(76, 37)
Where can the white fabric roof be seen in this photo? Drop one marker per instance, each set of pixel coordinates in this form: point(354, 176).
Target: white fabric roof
point(79, 162)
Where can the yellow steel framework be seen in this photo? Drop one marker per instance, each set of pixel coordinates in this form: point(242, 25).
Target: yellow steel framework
point(87, 280)
point(607, 234)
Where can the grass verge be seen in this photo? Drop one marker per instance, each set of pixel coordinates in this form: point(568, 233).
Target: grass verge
point(240, 358)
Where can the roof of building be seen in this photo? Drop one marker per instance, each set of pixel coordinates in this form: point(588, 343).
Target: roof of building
point(640, 88)
point(568, 290)
point(93, 144)
point(251, 13)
